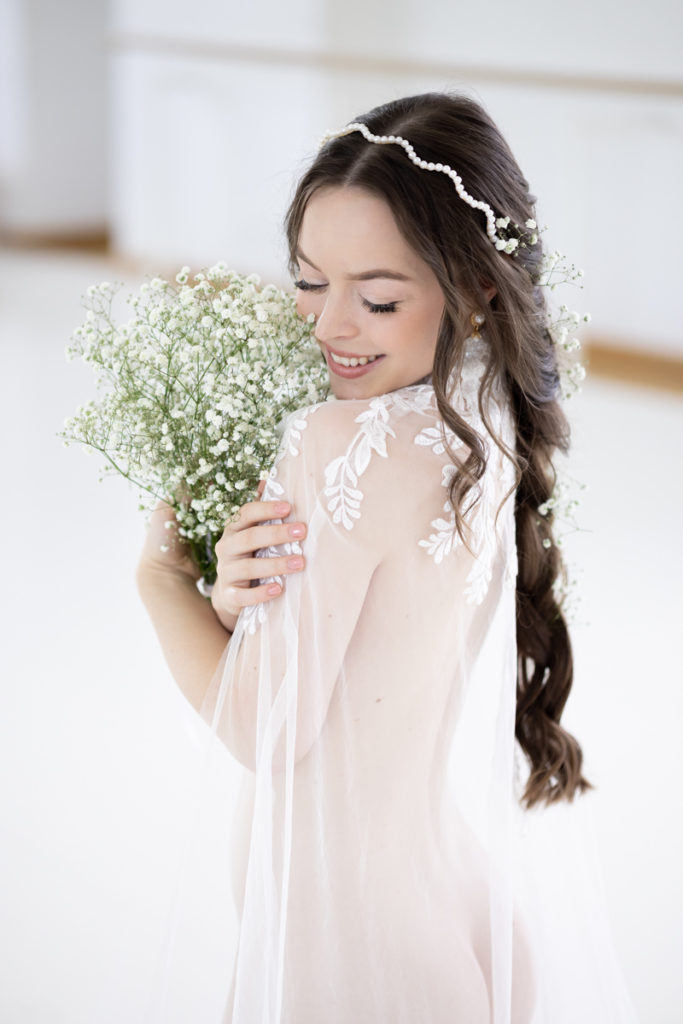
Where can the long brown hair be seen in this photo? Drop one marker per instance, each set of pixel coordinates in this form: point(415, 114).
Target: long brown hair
point(451, 238)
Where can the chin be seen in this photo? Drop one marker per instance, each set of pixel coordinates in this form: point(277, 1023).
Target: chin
point(352, 389)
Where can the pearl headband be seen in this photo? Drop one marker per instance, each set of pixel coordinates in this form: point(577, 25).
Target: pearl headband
point(507, 245)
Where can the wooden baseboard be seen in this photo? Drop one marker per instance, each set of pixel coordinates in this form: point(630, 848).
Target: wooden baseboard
point(602, 357)
point(635, 366)
point(96, 240)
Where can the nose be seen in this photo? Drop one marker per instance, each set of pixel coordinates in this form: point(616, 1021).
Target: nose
point(335, 321)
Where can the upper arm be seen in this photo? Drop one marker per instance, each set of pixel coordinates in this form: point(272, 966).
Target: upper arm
point(280, 677)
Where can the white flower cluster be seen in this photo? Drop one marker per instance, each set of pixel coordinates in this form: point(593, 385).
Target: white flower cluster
point(526, 236)
point(196, 386)
point(563, 324)
point(561, 508)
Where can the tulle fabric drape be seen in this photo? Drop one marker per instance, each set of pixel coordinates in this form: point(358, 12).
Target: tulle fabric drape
point(381, 867)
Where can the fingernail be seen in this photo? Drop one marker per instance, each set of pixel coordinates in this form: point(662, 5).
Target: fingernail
point(274, 588)
point(296, 531)
point(282, 508)
point(295, 563)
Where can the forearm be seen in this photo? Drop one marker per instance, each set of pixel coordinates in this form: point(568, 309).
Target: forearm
point(191, 637)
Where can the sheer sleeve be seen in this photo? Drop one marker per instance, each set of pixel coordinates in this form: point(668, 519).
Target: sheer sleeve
point(304, 633)
point(382, 868)
point(287, 700)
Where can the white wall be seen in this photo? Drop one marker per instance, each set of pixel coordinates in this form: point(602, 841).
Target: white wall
point(99, 754)
point(184, 127)
point(97, 748)
point(599, 37)
point(216, 113)
point(53, 116)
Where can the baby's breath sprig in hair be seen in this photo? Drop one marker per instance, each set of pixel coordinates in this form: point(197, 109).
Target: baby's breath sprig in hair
point(561, 508)
point(563, 322)
point(513, 237)
point(560, 511)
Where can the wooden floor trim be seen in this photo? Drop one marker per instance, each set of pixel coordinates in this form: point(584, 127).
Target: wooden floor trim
point(602, 357)
point(96, 240)
point(635, 366)
point(225, 51)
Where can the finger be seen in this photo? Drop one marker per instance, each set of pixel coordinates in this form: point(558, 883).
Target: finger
point(249, 569)
point(244, 542)
point(257, 511)
point(233, 599)
point(260, 487)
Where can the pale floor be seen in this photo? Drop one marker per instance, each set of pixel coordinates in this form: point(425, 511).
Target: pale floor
point(98, 750)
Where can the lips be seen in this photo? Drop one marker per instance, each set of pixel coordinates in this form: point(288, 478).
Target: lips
point(350, 371)
point(352, 355)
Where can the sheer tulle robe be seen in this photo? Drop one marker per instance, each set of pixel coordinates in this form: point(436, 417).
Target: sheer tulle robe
point(380, 859)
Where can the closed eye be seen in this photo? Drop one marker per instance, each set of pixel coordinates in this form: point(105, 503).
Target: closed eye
point(373, 307)
point(306, 286)
point(380, 307)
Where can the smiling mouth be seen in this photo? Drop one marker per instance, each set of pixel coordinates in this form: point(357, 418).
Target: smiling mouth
point(352, 360)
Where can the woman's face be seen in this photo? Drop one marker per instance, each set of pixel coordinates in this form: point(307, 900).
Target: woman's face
point(372, 296)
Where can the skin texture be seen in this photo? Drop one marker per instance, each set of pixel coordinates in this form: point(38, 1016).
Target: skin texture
point(346, 232)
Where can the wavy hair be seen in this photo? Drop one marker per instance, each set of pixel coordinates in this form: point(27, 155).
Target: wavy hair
point(451, 238)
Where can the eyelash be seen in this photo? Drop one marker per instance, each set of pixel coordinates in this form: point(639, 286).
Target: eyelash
point(381, 307)
point(372, 307)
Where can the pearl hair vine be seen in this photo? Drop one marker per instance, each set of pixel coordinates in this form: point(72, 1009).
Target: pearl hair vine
point(507, 245)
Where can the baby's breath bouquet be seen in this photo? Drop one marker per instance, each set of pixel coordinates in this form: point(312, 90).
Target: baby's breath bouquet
point(194, 389)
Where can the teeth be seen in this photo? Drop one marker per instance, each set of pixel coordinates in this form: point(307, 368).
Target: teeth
point(360, 361)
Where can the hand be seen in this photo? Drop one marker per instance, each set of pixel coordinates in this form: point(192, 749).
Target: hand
point(237, 565)
point(164, 550)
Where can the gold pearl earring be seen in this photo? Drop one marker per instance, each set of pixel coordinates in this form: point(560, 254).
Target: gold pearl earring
point(477, 320)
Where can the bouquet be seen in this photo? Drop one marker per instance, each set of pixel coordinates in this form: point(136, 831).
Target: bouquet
point(196, 386)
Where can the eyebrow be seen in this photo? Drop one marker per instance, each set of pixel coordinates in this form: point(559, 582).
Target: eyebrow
point(366, 275)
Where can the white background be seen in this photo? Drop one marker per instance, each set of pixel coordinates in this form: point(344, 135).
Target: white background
point(189, 155)
point(157, 119)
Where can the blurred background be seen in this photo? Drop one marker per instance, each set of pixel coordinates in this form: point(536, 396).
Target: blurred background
point(139, 136)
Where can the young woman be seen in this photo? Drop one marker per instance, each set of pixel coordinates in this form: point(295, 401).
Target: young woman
point(384, 652)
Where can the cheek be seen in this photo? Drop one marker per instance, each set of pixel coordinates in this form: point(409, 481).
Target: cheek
point(424, 325)
point(431, 322)
point(307, 302)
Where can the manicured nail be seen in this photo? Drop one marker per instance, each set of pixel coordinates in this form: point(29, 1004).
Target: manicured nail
point(274, 588)
point(295, 563)
point(282, 508)
point(296, 531)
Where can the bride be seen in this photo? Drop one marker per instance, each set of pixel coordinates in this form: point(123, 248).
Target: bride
point(384, 651)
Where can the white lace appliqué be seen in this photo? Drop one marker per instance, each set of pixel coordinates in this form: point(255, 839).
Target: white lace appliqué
point(445, 539)
point(342, 474)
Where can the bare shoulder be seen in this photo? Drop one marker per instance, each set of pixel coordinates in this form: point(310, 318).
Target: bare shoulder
point(356, 438)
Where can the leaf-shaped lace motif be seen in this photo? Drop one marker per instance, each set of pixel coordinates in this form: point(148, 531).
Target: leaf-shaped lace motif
point(445, 538)
point(341, 475)
point(481, 517)
point(511, 566)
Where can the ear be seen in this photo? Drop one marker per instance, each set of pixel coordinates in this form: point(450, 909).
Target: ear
point(488, 289)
